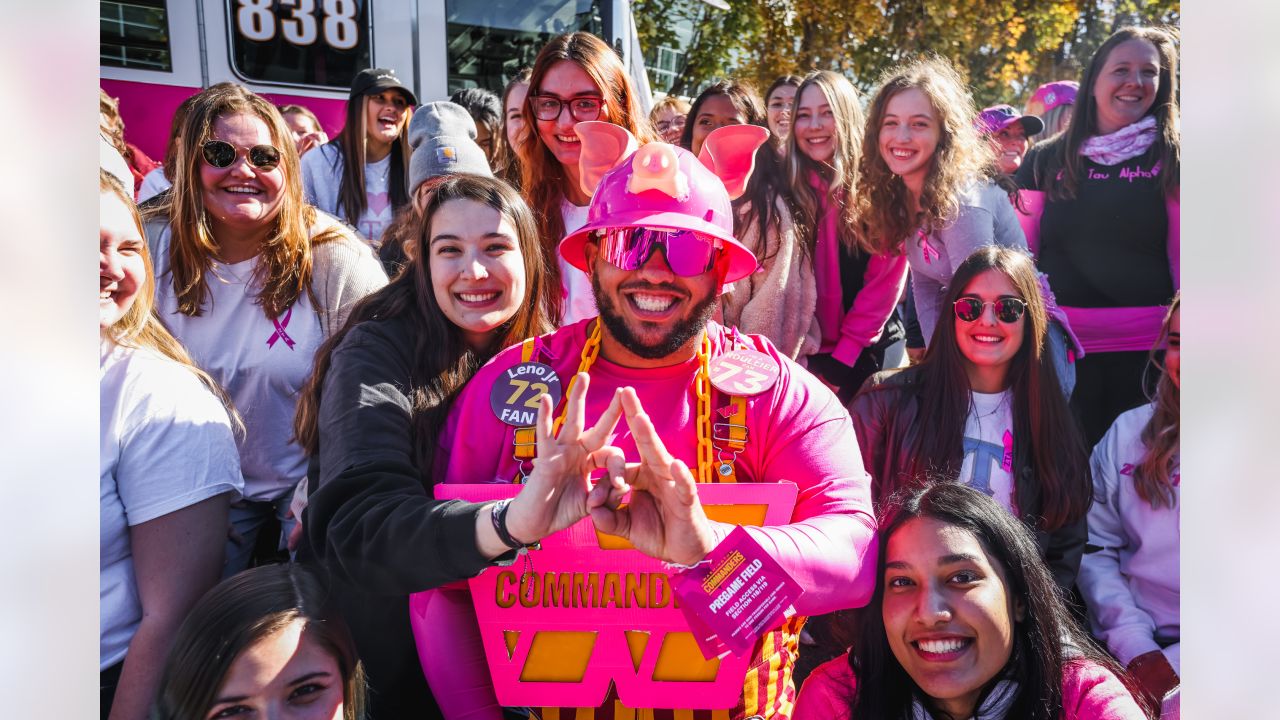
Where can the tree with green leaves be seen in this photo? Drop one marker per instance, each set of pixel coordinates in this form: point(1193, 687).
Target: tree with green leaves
point(1006, 47)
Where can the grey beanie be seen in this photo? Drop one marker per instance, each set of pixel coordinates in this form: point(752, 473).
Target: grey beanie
point(443, 137)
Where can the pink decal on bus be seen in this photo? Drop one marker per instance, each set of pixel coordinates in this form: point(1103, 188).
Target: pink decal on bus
point(147, 110)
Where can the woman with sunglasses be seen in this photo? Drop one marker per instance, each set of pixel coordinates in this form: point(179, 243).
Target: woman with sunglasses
point(363, 175)
point(169, 469)
point(984, 407)
point(854, 287)
point(965, 623)
point(374, 409)
point(1130, 579)
point(931, 187)
point(576, 77)
point(1106, 228)
point(252, 279)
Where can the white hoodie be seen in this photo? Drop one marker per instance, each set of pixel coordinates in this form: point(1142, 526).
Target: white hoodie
point(1131, 582)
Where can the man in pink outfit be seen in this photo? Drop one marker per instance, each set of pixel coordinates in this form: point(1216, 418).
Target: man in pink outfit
point(659, 250)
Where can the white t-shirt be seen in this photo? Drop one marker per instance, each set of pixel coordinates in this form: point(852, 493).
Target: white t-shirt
point(378, 212)
point(166, 445)
point(234, 341)
point(322, 179)
point(579, 298)
point(988, 447)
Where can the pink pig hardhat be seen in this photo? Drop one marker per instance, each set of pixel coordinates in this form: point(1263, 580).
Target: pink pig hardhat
point(663, 186)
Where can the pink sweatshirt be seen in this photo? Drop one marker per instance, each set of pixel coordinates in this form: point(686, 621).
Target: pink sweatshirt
point(846, 334)
point(797, 431)
point(1089, 692)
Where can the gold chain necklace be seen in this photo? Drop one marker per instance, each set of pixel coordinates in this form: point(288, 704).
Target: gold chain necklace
point(701, 386)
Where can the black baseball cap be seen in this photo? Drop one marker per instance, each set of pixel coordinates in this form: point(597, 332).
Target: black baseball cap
point(375, 80)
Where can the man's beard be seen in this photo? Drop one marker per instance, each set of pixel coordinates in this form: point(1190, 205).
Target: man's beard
point(684, 330)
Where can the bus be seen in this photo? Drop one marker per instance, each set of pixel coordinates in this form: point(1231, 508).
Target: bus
point(156, 53)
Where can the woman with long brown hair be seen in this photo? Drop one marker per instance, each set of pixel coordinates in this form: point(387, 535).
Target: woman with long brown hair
point(1108, 228)
point(856, 284)
point(169, 469)
point(576, 77)
point(984, 407)
point(509, 141)
point(1130, 580)
point(374, 409)
point(252, 279)
point(363, 175)
point(263, 644)
point(931, 187)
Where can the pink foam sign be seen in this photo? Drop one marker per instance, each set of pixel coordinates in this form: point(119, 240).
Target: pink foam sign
point(582, 582)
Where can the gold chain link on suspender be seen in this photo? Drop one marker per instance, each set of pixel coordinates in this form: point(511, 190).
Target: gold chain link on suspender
point(525, 437)
point(702, 387)
point(526, 446)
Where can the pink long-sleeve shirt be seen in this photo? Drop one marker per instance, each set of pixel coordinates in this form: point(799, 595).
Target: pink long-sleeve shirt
point(846, 333)
point(1089, 692)
point(797, 431)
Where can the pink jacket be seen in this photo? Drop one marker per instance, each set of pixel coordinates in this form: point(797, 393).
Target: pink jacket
point(1089, 692)
point(846, 334)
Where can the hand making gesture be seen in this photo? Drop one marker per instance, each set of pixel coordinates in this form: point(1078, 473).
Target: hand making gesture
point(555, 494)
point(664, 518)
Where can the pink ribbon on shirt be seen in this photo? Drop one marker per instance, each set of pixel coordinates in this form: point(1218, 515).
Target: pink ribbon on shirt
point(280, 333)
point(1007, 463)
point(926, 248)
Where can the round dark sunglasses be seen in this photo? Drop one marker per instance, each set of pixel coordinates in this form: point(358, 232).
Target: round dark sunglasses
point(1008, 310)
point(222, 154)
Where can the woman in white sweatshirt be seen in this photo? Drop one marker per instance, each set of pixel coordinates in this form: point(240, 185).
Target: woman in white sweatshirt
point(1131, 582)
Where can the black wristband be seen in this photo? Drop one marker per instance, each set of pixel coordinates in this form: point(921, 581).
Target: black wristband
point(499, 517)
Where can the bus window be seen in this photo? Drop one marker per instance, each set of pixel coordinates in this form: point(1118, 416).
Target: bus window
point(134, 34)
point(489, 40)
point(299, 42)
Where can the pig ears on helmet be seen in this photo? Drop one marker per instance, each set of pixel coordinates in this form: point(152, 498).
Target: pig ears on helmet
point(730, 153)
point(604, 147)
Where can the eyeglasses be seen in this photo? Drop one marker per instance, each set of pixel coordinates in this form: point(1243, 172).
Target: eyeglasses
point(1008, 310)
point(688, 253)
point(222, 154)
point(548, 107)
point(665, 125)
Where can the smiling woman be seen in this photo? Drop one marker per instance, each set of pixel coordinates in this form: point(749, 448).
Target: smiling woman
point(363, 175)
point(374, 409)
point(997, 419)
point(252, 279)
point(576, 77)
point(856, 286)
point(168, 469)
point(1108, 234)
point(965, 622)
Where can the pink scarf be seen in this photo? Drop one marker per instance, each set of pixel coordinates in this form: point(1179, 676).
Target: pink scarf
point(1128, 142)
